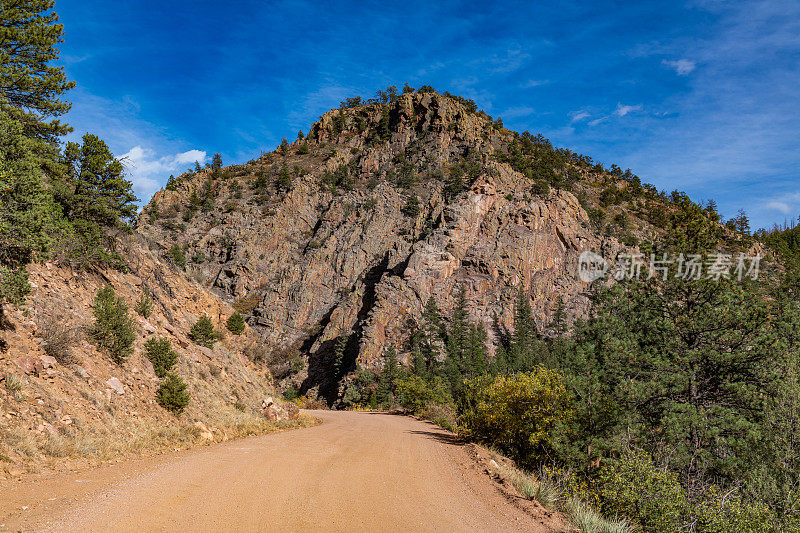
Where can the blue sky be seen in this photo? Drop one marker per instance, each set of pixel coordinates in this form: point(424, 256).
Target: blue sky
point(702, 96)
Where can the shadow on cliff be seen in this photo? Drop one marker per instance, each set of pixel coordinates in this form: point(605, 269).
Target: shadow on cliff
point(323, 368)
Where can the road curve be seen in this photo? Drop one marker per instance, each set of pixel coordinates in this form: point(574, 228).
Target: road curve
point(354, 472)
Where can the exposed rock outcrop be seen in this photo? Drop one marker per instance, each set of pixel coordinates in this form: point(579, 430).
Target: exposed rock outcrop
point(346, 251)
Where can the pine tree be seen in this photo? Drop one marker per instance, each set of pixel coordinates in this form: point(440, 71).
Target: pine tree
point(113, 329)
point(338, 353)
point(559, 322)
point(526, 350)
point(203, 333)
point(457, 345)
point(678, 364)
point(283, 182)
point(477, 362)
point(98, 191)
point(28, 216)
point(388, 376)
point(235, 323)
point(419, 366)
point(31, 84)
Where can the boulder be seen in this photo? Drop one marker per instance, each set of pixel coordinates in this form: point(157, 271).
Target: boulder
point(205, 433)
point(48, 361)
point(115, 385)
point(29, 364)
point(279, 411)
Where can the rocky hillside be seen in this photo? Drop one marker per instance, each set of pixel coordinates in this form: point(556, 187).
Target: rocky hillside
point(348, 230)
point(63, 402)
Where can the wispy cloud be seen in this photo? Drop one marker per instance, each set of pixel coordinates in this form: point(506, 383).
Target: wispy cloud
point(147, 170)
point(517, 111)
point(534, 83)
point(620, 111)
point(623, 110)
point(681, 66)
point(577, 116)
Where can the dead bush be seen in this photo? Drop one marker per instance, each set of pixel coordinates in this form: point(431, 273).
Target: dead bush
point(58, 338)
point(256, 352)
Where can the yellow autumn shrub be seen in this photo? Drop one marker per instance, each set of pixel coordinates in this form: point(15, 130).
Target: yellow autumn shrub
point(516, 413)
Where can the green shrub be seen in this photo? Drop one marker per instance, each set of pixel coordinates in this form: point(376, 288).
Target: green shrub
point(633, 487)
point(113, 329)
point(411, 208)
point(721, 511)
point(443, 415)
point(290, 394)
point(516, 413)
point(203, 332)
point(235, 324)
point(415, 393)
point(172, 394)
point(540, 187)
point(302, 149)
point(145, 304)
point(161, 354)
point(177, 256)
point(14, 286)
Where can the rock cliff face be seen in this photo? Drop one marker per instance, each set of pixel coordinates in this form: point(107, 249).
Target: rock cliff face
point(351, 229)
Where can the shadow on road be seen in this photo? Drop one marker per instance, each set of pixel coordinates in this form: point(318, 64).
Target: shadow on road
point(446, 438)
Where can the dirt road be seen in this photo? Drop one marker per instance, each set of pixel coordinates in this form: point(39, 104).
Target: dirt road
point(354, 472)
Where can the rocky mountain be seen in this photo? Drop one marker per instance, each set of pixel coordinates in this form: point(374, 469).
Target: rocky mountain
point(350, 229)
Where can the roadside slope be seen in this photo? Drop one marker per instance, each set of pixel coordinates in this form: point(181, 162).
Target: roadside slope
point(356, 471)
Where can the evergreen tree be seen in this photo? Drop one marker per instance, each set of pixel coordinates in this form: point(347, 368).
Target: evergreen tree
point(676, 364)
point(419, 366)
point(216, 164)
point(29, 81)
point(525, 350)
point(559, 322)
point(113, 330)
point(283, 182)
point(172, 394)
point(98, 193)
point(161, 354)
point(388, 376)
point(203, 333)
point(235, 323)
point(477, 362)
point(430, 338)
point(457, 345)
point(338, 353)
point(28, 217)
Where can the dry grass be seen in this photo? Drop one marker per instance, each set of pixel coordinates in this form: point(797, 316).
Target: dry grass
point(139, 438)
point(20, 441)
point(549, 494)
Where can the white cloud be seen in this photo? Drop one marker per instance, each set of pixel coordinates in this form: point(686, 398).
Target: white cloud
point(517, 111)
point(147, 170)
point(779, 206)
point(577, 116)
point(682, 66)
point(534, 83)
point(623, 110)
